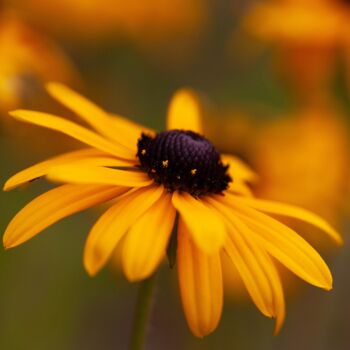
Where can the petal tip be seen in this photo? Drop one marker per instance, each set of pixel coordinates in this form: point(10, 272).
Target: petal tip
point(328, 288)
point(7, 244)
point(90, 270)
point(133, 278)
point(339, 240)
point(6, 187)
point(16, 113)
point(52, 86)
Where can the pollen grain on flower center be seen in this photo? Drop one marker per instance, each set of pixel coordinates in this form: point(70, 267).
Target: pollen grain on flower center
point(184, 161)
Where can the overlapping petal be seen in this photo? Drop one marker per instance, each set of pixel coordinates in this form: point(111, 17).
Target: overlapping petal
point(114, 223)
point(88, 156)
point(85, 174)
point(115, 128)
point(284, 244)
point(205, 225)
point(53, 206)
point(200, 281)
point(73, 130)
point(145, 243)
point(293, 212)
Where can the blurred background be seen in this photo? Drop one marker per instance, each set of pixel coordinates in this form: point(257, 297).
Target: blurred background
point(274, 79)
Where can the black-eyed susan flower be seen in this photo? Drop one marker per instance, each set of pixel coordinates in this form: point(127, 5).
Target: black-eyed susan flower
point(153, 177)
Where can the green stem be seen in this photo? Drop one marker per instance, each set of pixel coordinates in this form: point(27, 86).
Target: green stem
point(142, 313)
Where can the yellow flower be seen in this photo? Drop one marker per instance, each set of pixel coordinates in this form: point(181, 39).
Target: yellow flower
point(306, 35)
point(152, 178)
point(27, 53)
point(142, 20)
point(308, 138)
point(317, 21)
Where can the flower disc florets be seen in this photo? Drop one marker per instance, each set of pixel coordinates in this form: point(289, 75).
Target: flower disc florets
point(183, 161)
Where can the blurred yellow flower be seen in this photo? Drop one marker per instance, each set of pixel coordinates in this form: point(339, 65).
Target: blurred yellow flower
point(311, 144)
point(306, 35)
point(321, 22)
point(25, 54)
point(145, 21)
point(154, 177)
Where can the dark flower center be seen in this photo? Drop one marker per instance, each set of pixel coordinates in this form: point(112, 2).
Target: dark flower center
point(183, 161)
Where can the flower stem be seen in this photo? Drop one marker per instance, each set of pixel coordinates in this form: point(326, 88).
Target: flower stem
point(142, 313)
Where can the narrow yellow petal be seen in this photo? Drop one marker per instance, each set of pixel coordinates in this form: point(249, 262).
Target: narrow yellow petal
point(251, 272)
point(293, 212)
point(245, 261)
point(113, 224)
point(73, 130)
point(200, 281)
point(278, 304)
point(53, 206)
point(145, 243)
point(256, 268)
point(238, 170)
point(284, 244)
point(41, 169)
point(184, 112)
point(204, 224)
point(100, 120)
point(271, 273)
point(85, 174)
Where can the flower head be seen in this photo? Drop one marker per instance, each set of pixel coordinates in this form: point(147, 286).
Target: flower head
point(153, 177)
point(136, 20)
point(26, 53)
point(320, 22)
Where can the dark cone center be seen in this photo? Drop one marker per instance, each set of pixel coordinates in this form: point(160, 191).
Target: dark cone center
point(183, 161)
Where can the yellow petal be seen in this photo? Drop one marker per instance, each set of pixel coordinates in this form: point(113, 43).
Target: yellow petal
point(130, 129)
point(245, 261)
point(238, 170)
point(85, 174)
point(200, 280)
point(145, 243)
point(73, 130)
point(284, 244)
point(293, 212)
point(113, 224)
point(40, 169)
point(241, 188)
point(204, 224)
point(270, 270)
point(53, 206)
point(251, 272)
point(94, 115)
point(184, 112)
point(91, 157)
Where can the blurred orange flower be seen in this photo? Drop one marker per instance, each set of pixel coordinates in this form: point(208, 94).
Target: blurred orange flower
point(27, 54)
point(307, 35)
point(317, 21)
point(314, 143)
point(91, 20)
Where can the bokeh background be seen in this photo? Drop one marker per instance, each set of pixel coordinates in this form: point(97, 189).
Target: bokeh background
point(274, 79)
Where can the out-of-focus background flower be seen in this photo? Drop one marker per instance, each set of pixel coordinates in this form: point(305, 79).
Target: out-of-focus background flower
point(274, 76)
